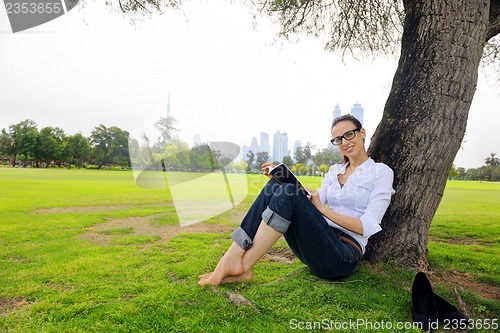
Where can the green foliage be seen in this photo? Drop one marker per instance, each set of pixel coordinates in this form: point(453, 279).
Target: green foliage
point(323, 168)
point(484, 173)
point(201, 159)
point(301, 169)
point(250, 160)
point(78, 149)
point(492, 160)
point(287, 160)
point(110, 145)
point(166, 126)
point(23, 139)
point(262, 157)
point(176, 155)
point(327, 156)
point(453, 173)
point(50, 145)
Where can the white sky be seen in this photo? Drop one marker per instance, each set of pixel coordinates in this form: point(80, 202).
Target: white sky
point(227, 80)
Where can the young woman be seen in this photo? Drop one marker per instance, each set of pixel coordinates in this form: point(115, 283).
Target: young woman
point(328, 231)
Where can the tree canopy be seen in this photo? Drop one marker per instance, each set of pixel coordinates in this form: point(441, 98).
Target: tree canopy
point(359, 28)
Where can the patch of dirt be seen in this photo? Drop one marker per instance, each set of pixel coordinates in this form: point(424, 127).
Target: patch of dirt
point(8, 304)
point(460, 241)
point(18, 259)
point(282, 255)
point(466, 281)
point(84, 209)
point(60, 286)
point(142, 226)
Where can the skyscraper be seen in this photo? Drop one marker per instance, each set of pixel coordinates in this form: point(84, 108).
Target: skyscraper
point(254, 146)
point(168, 105)
point(264, 143)
point(296, 144)
point(358, 111)
point(336, 111)
point(280, 146)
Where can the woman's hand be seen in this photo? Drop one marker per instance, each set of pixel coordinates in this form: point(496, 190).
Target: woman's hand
point(315, 198)
point(265, 169)
point(348, 222)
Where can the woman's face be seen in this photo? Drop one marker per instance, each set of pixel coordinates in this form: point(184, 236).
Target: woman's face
point(355, 145)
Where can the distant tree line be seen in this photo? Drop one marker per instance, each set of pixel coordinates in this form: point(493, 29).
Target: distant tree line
point(24, 145)
point(490, 171)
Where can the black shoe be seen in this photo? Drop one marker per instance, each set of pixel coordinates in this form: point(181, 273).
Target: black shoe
point(448, 313)
point(424, 309)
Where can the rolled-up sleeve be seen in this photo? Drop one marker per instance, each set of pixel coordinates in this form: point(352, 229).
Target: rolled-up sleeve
point(380, 199)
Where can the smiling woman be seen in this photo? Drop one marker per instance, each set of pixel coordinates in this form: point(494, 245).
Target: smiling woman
point(344, 122)
point(328, 231)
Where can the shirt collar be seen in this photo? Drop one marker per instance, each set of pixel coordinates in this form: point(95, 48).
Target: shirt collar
point(369, 162)
point(366, 164)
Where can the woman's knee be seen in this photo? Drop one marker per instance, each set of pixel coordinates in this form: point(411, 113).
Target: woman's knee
point(288, 189)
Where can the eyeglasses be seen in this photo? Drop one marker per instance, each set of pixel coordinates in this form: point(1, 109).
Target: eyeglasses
point(347, 135)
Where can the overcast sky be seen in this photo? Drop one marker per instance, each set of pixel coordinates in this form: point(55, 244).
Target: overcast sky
point(227, 80)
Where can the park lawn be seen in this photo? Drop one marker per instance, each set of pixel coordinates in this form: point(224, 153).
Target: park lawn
point(54, 277)
point(465, 232)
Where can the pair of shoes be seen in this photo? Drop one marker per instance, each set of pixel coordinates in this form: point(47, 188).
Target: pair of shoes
point(428, 308)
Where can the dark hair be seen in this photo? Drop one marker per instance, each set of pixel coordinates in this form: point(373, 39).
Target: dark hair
point(347, 117)
point(351, 118)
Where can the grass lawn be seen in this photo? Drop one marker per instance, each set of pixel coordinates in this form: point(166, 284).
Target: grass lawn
point(89, 251)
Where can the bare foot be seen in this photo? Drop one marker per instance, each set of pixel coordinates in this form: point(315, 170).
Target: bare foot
point(244, 277)
point(231, 264)
point(207, 279)
point(225, 268)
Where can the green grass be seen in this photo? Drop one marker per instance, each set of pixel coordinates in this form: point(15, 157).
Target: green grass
point(53, 279)
point(465, 232)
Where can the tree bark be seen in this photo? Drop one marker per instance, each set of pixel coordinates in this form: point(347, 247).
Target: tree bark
point(425, 118)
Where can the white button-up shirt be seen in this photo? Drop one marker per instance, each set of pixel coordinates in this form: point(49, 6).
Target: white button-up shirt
point(365, 195)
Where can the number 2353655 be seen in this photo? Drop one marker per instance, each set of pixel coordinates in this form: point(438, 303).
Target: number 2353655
point(33, 8)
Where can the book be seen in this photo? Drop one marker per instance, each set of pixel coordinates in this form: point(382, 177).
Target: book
point(283, 174)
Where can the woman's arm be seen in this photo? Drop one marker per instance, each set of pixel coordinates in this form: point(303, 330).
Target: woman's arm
point(347, 222)
point(369, 222)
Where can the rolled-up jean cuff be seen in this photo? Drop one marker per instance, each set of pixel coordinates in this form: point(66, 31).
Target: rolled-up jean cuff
point(275, 221)
point(241, 238)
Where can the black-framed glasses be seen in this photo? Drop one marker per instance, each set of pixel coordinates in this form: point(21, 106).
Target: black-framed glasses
point(349, 135)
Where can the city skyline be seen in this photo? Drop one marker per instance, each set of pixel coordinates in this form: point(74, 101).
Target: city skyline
point(356, 110)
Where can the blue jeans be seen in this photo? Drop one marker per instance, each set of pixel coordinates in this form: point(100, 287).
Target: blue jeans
point(287, 210)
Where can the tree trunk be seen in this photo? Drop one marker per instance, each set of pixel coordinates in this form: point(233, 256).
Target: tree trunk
point(425, 118)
